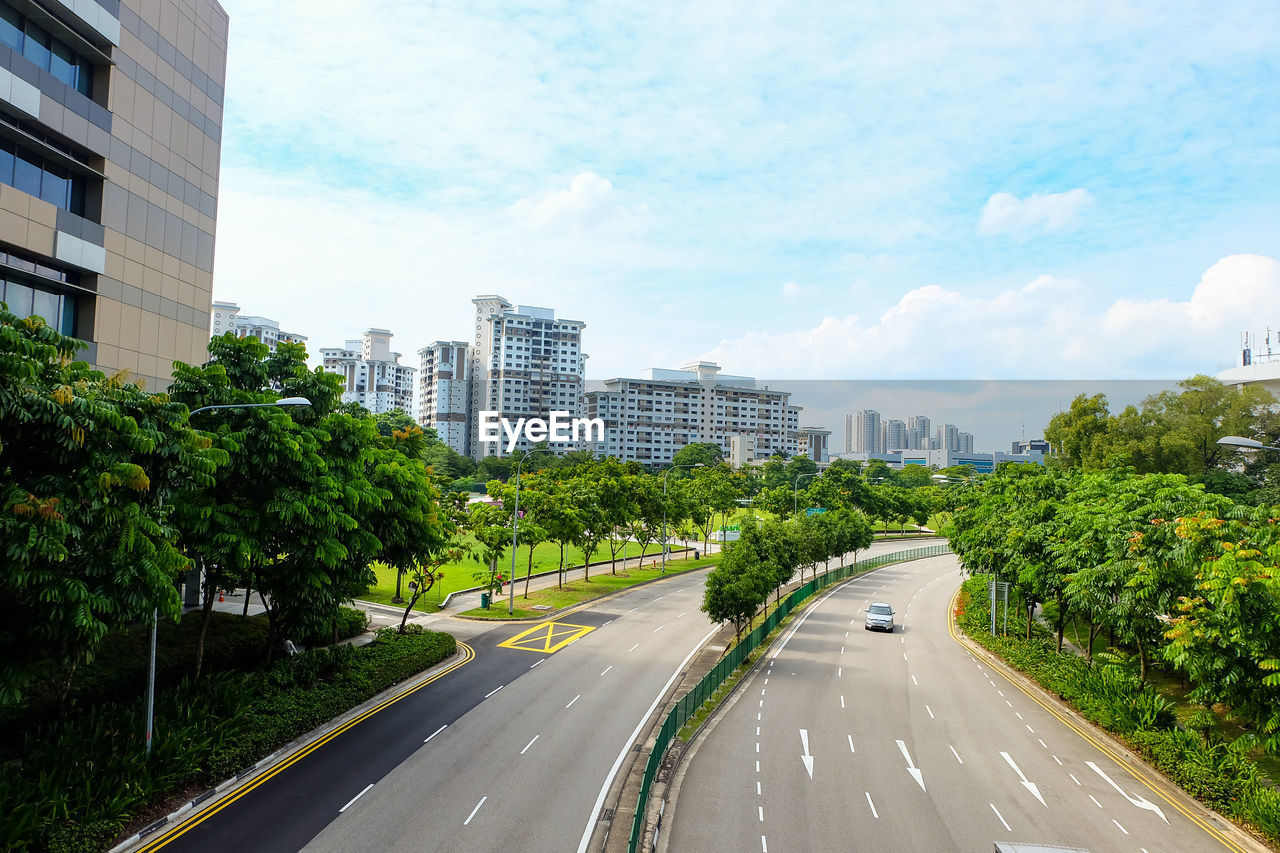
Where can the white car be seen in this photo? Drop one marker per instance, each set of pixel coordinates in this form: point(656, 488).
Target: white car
point(879, 617)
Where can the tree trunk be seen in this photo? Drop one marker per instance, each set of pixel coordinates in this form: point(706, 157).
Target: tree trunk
point(399, 579)
point(1142, 660)
point(560, 570)
point(1094, 630)
point(527, 573)
point(1031, 615)
point(248, 589)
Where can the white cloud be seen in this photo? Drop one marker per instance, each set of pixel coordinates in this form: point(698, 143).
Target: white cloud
point(1042, 330)
point(1005, 213)
point(589, 204)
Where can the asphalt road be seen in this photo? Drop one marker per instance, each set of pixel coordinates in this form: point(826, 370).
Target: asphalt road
point(519, 739)
point(848, 739)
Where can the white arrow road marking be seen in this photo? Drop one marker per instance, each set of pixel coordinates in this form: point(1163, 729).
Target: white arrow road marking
point(1030, 786)
point(911, 766)
point(1140, 802)
point(806, 758)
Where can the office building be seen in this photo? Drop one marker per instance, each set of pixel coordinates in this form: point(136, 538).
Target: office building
point(524, 363)
point(110, 140)
point(226, 317)
point(650, 418)
point(1034, 445)
point(444, 392)
point(372, 374)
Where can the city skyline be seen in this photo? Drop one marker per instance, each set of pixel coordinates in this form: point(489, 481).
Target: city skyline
point(1000, 191)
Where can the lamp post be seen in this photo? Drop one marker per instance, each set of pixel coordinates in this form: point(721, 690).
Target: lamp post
point(515, 529)
point(664, 507)
point(795, 490)
point(155, 613)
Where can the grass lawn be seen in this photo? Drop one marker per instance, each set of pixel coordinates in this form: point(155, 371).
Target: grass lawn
point(576, 590)
point(546, 557)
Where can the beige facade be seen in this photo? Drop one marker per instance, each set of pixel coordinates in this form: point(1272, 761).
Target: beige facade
point(134, 132)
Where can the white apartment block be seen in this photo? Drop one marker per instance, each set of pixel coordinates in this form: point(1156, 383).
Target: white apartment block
point(650, 418)
point(226, 317)
point(867, 434)
point(893, 435)
point(524, 363)
point(444, 392)
point(372, 373)
point(815, 442)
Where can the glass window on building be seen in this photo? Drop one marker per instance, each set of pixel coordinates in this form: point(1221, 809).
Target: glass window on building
point(62, 63)
point(55, 187)
point(10, 27)
point(18, 297)
point(23, 301)
point(35, 44)
point(26, 175)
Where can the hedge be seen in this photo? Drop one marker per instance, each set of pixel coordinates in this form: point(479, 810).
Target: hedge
point(79, 782)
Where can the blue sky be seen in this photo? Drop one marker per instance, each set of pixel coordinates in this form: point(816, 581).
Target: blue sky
point(797, 190)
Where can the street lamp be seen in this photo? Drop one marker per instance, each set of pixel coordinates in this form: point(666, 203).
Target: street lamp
point(795, 490)
point(515, 530)
point(664, 508)
point(155, 614)
point(1244, 443)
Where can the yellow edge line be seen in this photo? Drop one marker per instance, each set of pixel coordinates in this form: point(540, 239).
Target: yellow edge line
point(1099, 745)
point(468, 654)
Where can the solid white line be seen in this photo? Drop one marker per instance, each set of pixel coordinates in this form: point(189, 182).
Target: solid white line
point(1095, 802)
point(632, 610)
point(366, 790)
point(493, 691)
point(606, 623)
point(956, 754)
point(931, 716)
point(537, 663)
point(1002, 820)
point(476, 809)
point(436, 732)
point(851, 749)
point(574, 699)
point(626, 746)
point(1118, 826)
point(529, 744)
point(874, 813)
point(633, 648)
point(606, 669)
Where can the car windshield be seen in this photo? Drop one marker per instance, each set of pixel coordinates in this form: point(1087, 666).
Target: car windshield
point(880, 609)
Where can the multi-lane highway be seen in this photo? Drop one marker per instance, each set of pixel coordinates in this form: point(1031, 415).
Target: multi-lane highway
point(519, 739)
point(846, 739)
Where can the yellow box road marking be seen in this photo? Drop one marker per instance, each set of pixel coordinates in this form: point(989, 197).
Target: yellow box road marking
point(547, 638)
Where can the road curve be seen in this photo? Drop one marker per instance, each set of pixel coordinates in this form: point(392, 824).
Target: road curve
point(906, 741)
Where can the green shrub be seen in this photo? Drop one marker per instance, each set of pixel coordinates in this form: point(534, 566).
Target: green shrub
point(350, 623)
point(77, 782)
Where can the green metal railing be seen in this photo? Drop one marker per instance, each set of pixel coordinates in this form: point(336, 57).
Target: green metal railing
point(689, 703)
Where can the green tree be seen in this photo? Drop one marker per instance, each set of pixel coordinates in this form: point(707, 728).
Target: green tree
point(90, 470)
point(739, 585)
point(699, 453)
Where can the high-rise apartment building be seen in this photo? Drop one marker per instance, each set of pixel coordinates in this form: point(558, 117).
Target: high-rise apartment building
point(893, 435)
point(650, 418)
point(110, 139)
point(523, 363)
point(444, 392)
point(948, 437)
point(814, 442)
point(965, 442)
point(918, 432)
point(372, 374)
point(226, 317)
point(866, 431)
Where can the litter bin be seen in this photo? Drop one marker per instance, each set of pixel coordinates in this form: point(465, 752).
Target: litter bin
point(484, 601)
point(697, 555)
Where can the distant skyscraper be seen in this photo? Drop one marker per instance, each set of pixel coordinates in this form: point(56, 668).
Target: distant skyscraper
point(966, 442)
point(867, 432)
point(948, 437)
point(372, 374)
point(444, 392)
point(895, 435)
